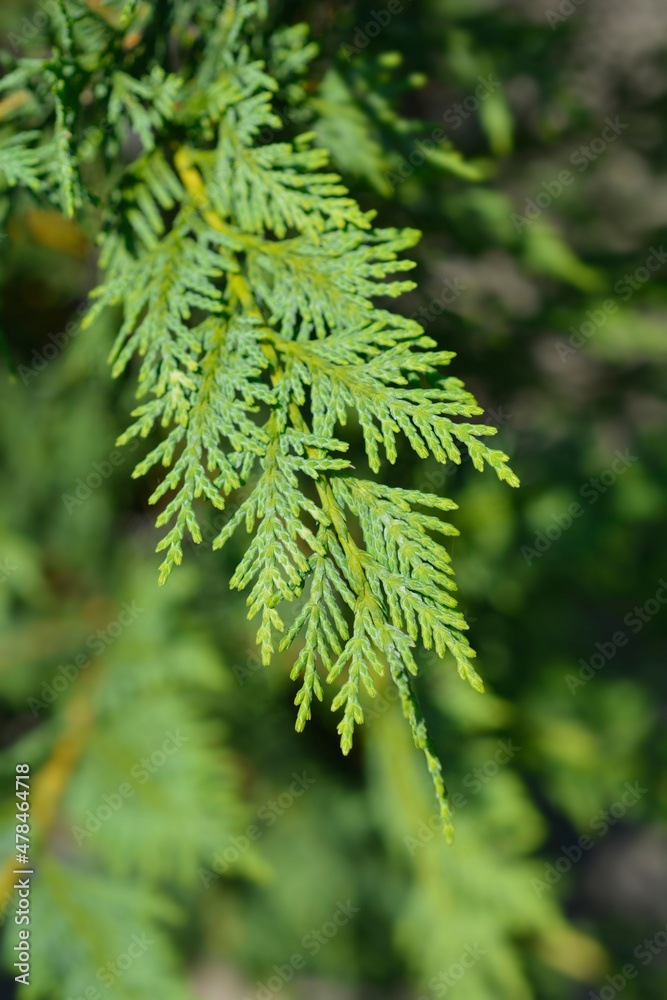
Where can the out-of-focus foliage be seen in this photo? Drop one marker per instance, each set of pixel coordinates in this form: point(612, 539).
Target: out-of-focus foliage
point(225, 859)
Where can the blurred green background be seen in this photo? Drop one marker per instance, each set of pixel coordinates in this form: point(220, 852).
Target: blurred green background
point(178, 819)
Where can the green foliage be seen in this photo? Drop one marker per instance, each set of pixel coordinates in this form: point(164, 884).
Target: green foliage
point(139, 144)
point(119, 727)
point(247, 285)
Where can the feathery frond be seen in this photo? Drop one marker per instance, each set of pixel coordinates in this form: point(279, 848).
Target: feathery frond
point(249, 281)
